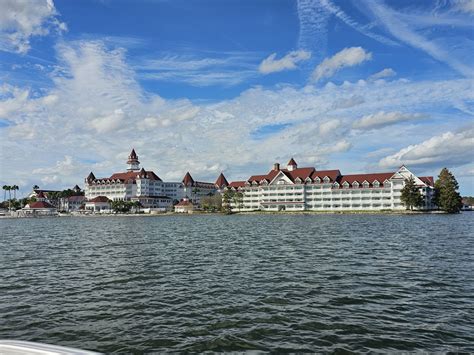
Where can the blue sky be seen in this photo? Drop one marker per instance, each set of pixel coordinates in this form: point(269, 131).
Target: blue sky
point(233, 86)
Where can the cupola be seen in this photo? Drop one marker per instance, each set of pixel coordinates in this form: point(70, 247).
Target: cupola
point(292, 165)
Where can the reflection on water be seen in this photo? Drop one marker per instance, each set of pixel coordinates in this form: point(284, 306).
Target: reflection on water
point(195, 283)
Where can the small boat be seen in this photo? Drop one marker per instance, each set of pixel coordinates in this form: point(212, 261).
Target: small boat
point(18, 347)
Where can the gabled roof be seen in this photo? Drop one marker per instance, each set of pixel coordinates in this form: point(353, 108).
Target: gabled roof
point(237, 184)
point(40, 204)
point(301, 173)
point(428, 180)
point(370, 178)
point(184, 203)
point(292, 162)
point(221, 181)
point(90, 177)
point(188, 179)
point(331, 174)
point(132, 175)
point(40, 195)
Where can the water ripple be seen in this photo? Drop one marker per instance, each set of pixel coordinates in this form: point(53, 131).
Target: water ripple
point(327, 283)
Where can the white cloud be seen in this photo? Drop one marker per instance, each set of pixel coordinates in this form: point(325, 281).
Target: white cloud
point(22, 19)
point(347, 102)
point(385, 73)
point(382, 119)
point(108, 123)
point(348, 57)
point(450, 149)
point(225, 69)
point(288, 62)
point(97, 111)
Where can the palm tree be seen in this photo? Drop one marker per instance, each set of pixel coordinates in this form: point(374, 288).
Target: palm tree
point(9, 189)
point(5, 188)
point(15, 188)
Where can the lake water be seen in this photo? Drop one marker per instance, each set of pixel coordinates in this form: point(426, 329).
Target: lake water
point(227, 283)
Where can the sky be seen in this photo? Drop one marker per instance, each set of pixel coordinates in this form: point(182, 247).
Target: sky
point(207, 86)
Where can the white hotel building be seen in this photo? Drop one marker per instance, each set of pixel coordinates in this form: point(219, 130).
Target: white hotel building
point(145, 186)
point(308, 189)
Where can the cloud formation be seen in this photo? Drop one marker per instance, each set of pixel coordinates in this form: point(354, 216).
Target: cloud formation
point(450, 149)
point(385, 73)
point(382, 119)
point(348, 57)
point(100, 109)
point(22, 19)
point(288, 62)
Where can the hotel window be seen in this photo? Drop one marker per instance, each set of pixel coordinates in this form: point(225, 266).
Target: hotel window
point(345, 185)
point(355, 184)
point(365, 184)
point(326, 179)
point(376, 183)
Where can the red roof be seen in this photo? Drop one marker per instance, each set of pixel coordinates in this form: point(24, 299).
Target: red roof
point(133, 155)
point(132, 175)
point(302, 173)
point(331, 174)
point(360, 178)
point(41, 204)
point(221, 181)
point(292, 162)
point(237, 184)
point(188, 179)
point(99, 199)
point(184, 203)
point(40, 195)
point(428, 180)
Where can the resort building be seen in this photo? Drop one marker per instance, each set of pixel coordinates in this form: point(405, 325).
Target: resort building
point(308, 189)
point(138, 184)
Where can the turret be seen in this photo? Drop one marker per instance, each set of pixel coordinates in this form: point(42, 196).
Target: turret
point(90, 178)
point(188, 179)
point(221, 182)
point(292, 165)
point(133, 163)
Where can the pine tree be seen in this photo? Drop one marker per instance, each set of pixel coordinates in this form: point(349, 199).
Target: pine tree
point(411, 196)
point(446, 196)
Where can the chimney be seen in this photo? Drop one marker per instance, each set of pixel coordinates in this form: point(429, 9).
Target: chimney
point(276, 166)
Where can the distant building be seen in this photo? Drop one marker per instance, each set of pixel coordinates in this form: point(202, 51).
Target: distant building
point(195, 190)
point(98, 204)
point(138, 184)
point(72, 203)
point(184, 206)
point(41, 207)
point(308, 189)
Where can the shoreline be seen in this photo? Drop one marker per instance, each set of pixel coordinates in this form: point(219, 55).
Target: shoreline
point(353, 212)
